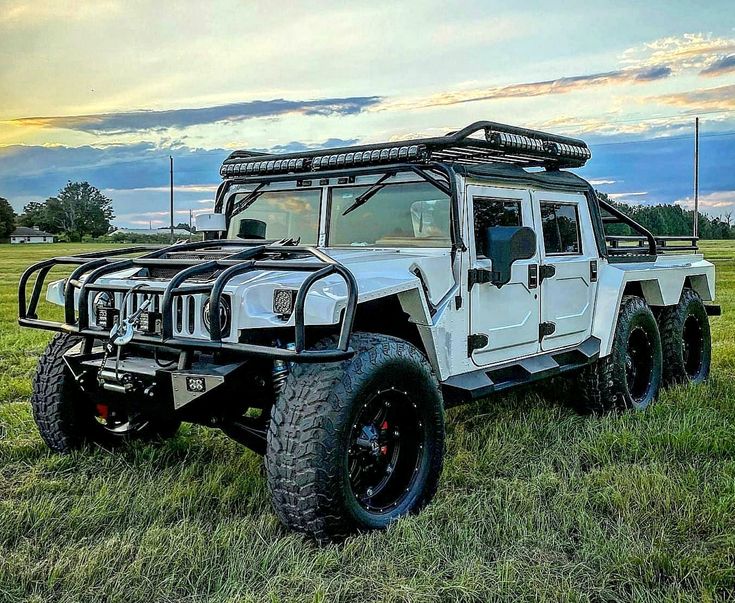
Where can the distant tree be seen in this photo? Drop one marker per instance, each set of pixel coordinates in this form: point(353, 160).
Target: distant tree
point(78, 210)
point(7, 218)
point(35, 214)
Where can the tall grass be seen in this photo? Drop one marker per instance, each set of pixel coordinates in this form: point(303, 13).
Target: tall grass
point(536, 503)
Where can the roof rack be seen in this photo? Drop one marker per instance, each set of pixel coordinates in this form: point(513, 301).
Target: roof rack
point(480, 142)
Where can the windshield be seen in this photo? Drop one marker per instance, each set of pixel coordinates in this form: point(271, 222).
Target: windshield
point(278, 215)
point(411, 214)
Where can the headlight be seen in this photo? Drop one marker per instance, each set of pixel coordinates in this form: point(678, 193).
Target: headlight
point(283, 302)
point(224, 315)
point(104, 299)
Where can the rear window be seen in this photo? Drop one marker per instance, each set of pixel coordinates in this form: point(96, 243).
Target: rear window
point(560, 224)
point(410, 214)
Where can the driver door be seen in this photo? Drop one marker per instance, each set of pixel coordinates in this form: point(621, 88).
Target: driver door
point(508, 316)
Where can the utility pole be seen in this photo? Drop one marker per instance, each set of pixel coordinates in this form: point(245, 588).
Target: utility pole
point(696, 177)
point(171, 161)
point(190, 214)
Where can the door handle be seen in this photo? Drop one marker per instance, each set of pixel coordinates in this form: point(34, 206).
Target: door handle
point(546, 271)
point(532, 276)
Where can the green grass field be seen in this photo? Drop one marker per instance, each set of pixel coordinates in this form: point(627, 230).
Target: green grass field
point(536, 502)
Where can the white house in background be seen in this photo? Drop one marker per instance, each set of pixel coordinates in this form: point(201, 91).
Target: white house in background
point(23, 234)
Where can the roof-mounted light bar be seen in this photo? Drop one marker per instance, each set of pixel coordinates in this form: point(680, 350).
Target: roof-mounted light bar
point(522, 143)
point(501, 143)
point(397, 154)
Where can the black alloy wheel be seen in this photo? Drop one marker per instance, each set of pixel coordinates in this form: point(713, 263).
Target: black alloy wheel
point(639, 364)
point(386, 450)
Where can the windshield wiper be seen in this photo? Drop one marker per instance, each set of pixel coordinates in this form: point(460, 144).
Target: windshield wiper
point(369, 193)
point(243, 204)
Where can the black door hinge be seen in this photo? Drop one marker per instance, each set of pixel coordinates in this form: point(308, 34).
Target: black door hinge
point(476, 342)
point(593, 271)
point(479, 276)
point(545, 328)
point(546, 271)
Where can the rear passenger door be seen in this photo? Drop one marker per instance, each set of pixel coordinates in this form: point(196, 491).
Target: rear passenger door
point(568, 271)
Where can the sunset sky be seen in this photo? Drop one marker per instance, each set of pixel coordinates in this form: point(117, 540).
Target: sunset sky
point(104, 91)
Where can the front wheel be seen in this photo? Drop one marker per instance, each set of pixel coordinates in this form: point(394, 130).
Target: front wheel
point(357, 444)
point(630, 376)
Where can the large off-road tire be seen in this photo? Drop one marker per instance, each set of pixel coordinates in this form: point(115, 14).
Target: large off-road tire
point(630, 377)
point(354, 445)
point(686, 340)
point(66, 416)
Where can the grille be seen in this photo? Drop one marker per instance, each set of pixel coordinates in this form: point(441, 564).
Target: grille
point(187, 311)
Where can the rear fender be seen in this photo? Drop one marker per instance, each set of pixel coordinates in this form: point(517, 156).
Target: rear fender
point(659, 285)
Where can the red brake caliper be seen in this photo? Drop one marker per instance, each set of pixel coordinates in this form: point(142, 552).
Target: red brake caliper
point(384, 447)
point(103, 411)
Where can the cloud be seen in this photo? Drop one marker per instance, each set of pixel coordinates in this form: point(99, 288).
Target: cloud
point(296, 146)
point(560, 85)
point(689, 51)
point(721, 98)
point(144, 120)
point(655, 61)
point(717, 203)
point(624, 196)
point(601, 182)
point(720, 66)
point(663, 167)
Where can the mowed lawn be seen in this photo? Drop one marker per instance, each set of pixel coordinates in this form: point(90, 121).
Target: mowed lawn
point(535, 503)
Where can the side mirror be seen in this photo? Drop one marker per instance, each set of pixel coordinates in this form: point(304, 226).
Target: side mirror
point(211, 225)
point(506, 244)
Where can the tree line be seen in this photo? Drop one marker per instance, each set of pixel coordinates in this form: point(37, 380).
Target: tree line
point(671, 220)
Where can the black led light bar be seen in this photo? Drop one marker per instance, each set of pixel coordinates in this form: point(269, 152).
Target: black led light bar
point(480, 142)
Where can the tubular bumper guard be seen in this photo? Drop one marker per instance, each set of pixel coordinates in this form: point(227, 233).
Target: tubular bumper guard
point(99, 264)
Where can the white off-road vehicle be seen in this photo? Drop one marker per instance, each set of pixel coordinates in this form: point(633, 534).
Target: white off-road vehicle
point(343, 297)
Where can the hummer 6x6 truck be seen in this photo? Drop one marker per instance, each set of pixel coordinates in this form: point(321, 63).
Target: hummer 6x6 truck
point(342, 298)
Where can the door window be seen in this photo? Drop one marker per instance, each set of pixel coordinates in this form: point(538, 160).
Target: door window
point(560, 224)
point(488, 212)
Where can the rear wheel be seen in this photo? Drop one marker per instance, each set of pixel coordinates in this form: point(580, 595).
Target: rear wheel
point(686, 340)
point(357, 444)
point(68, 418)
point(630, 377)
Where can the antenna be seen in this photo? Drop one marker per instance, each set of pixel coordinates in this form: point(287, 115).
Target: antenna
point(696, 178)
point(171, 160)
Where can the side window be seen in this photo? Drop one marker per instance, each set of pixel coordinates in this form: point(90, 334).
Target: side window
point(489, 211)
point(560, 223)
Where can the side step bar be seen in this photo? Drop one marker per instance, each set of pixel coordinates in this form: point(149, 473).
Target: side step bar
point(483, 382)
